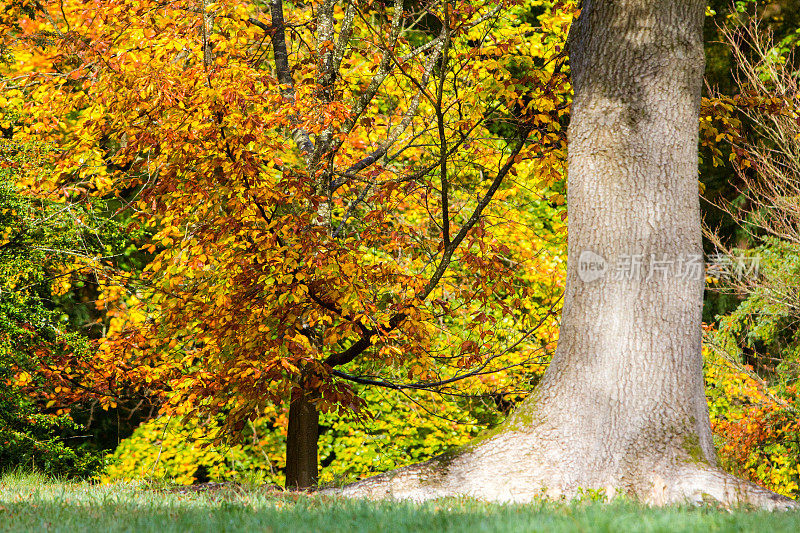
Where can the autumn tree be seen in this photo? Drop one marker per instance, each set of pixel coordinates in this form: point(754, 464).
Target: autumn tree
point(621, 407)
point(321, 181)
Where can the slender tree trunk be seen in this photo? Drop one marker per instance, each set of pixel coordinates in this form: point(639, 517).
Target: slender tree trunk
point(301, 444)
point(621, 407)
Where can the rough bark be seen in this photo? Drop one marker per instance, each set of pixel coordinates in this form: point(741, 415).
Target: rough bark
point(301, 444)
point(621, 408)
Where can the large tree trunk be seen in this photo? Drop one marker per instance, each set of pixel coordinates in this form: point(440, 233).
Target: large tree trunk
point(621, 407)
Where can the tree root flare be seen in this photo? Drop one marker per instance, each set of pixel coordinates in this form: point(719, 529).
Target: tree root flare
point(690, 484)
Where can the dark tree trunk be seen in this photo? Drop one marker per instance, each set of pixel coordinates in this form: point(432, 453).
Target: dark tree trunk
point(301, 444)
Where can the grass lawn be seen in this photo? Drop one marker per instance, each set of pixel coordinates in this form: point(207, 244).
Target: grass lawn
point(33, 504)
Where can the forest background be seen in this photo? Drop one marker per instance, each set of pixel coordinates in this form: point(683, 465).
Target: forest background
point(198, 231)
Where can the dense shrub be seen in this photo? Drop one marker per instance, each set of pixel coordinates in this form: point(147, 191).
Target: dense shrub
point(756, 427)
point(400, 432)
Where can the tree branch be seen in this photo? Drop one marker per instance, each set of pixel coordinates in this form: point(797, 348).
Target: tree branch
point(432, 385)
point(384, 67)
point(257, 23)
point(364, 342)
point(399, 129)
point(444, 183)
point(299, 135)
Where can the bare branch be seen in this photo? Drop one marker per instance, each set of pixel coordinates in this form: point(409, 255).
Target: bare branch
point(433, 385)
point(364, 342)
point(344, 38)
point(299, 135)
point(398, 130)
point(443, 180)
point(257, 23)
point(384, 67)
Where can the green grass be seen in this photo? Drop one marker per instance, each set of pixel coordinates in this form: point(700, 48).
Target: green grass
point(33, 503)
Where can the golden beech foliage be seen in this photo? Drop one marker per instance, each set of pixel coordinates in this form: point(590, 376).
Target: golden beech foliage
point(369, 184)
